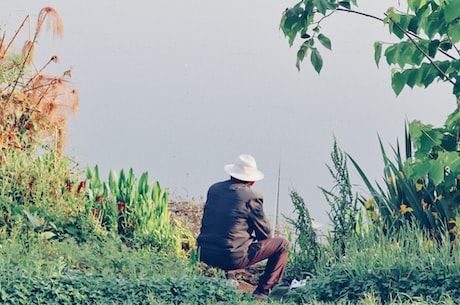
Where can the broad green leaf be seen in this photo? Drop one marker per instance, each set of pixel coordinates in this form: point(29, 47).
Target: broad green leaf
point(456, 90)
point(453, 119)
point(390, 54)
point(316, 60)
point(429, 74)
point(454, 32)
point(433, 47)
point(345, 4)
point(445, 45)
point(417, 57)
point(302, 52)
point(394, 23)
point(436, 172)
point(321, 5)
point(420, 168)
point(455, 165)
point(433, 24)
point(411, 76)
point(398, 80)
point(377, 52)
point(326, 42)
point(452, 10)
point(405, 51)
point(415, 5)
point(414, 24)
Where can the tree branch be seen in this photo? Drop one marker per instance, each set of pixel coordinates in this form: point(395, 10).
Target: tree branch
point(408, 35)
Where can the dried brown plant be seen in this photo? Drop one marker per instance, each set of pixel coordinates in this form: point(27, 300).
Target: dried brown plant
point(53, 21)
point(34, 106)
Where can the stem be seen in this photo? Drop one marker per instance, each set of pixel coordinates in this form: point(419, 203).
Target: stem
point(14, 37)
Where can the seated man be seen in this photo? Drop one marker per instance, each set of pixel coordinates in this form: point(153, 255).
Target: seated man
point(234, 230)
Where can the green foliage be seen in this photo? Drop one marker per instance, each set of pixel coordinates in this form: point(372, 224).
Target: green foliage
point(105, 272)
point(427, 34)
point(423, 269)
point(304, 249)
point(422, 185)
point(136, 210)
point(344, 214)
point(39, 195)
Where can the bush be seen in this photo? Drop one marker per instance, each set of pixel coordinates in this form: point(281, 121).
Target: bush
point(67, 272)
point(423, 269)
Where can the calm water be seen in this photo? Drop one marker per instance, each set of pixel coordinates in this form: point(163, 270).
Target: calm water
point(179, 90)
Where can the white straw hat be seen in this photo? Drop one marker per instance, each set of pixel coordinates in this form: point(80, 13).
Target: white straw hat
point(244, 169)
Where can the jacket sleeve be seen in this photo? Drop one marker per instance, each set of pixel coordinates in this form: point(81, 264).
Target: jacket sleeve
point(259, 223)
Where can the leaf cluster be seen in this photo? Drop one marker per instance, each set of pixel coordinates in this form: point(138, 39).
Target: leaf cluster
point(427, 34)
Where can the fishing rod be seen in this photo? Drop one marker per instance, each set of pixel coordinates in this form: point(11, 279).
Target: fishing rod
point(276, 224)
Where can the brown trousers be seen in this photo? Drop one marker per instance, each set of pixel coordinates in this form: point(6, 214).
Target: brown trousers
point(276, 250)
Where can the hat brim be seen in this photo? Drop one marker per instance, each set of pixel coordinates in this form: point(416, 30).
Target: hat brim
point(237, 173)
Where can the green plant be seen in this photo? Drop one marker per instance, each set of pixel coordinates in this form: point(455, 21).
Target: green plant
point(136, 210)
point(304, 248)
point(40, 195)
point(104, 272)
point(424, 269)
point(421, 186)
point(344, 214)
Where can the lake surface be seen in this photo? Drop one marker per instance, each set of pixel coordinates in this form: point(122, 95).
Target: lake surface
point(180, 88)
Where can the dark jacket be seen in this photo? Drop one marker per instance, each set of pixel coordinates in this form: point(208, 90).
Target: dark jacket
point(233, 219)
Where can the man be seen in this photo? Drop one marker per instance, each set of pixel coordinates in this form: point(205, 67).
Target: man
point(234, 230)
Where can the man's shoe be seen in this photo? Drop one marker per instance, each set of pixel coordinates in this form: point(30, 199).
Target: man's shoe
point(259, 295)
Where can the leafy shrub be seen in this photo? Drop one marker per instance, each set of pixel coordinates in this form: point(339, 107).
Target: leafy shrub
point(105, 272)
point(304, 249)
point(423, 268)
point(78, 287)
point(41, 194)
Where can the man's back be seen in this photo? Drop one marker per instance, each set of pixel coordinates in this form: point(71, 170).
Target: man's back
point(233, 219)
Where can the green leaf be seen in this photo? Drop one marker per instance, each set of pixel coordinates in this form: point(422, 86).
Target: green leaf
point(436, 172)
point(445, 45)
point(414, 24)
point(398, 80)
point(390, 54)
point(33, 220)
point(377, 52)
point(433, 24)
point(302, 52)
point(326, 42)
point(316, 60)
point(433, 47)
point(321, 5)
point(452, 10)
point(454, 32)
point(429, 74)
point(345, 4)
point(411, 76)
point(395, 29)
point(420, 169)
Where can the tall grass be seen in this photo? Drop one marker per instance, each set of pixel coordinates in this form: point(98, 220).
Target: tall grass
point(405, 266)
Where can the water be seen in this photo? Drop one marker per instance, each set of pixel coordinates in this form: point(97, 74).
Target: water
point(180, 88)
